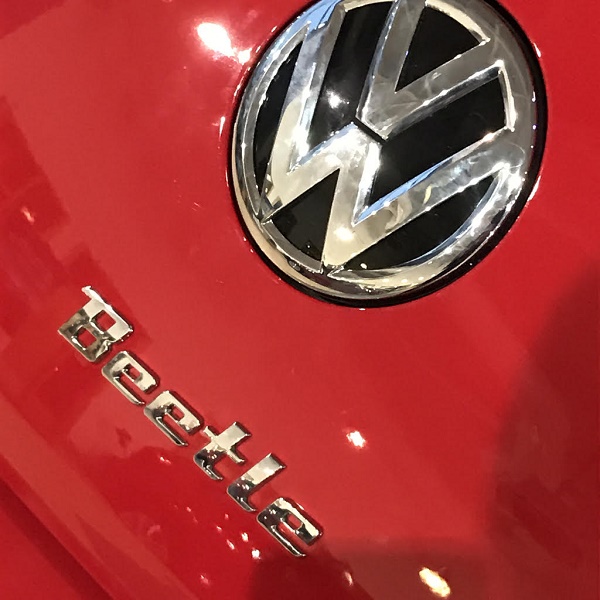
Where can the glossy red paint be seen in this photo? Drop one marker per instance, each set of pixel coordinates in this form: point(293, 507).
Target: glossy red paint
point(34, 561)
point(476, 407)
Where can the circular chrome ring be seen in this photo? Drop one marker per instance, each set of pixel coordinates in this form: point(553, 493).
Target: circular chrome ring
point(510, 155)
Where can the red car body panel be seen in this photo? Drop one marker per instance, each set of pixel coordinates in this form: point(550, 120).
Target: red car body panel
point(34, 564)
point(477, 406)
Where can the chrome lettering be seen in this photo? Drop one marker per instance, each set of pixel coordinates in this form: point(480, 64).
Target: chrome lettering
point(174, 418)
point(120, 367)
point(221, 445)
point(85, 320)
point(241, 489)
point(165, 406)
point(277, 516)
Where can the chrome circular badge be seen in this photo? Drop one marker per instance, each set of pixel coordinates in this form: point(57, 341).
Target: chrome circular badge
point(382, 148)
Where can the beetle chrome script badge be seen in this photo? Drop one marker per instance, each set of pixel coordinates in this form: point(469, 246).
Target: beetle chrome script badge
point(382, 148)
point(284, 519)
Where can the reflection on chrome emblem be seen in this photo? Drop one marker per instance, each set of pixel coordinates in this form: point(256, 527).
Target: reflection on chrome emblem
point(284, 519)
point(86, 321)
point(358, 132)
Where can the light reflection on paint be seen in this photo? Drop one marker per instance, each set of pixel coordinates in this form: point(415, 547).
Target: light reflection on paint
point(28, 215)
point(216, 38)
point(435, 582)
point(356, 439)
point(244, 56)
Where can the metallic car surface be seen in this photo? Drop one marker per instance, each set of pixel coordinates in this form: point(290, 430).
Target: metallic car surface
point(454, 435)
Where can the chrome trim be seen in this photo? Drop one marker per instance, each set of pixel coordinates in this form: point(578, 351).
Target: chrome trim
point(123, 367)
point(86, 319)
point(221, 445)
point(253, 479)
point(163, 407)
point(278, 514)
point(119, 369)
point(354, 226)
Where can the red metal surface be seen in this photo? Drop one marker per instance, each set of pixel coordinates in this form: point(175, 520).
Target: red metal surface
point(478, 405)
point(33, 562)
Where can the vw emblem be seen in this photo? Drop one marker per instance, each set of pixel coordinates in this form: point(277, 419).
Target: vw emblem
point(381, 149)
